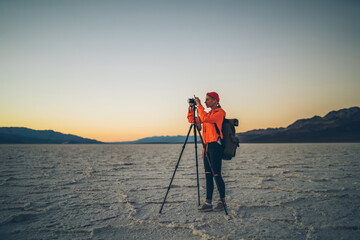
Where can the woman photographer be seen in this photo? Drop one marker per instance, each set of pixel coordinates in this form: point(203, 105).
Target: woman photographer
point(213, 147)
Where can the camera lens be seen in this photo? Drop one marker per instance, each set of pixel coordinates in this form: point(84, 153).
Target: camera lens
point(191, 100)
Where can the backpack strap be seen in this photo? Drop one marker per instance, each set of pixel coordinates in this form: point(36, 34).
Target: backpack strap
point(218, 131)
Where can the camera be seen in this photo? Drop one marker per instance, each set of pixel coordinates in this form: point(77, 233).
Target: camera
point(192, 101)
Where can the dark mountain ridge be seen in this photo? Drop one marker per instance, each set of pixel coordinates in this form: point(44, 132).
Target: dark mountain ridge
point(25, 135)
point(336, 126)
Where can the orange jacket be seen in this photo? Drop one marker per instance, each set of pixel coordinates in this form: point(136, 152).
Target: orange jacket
point(207, 120)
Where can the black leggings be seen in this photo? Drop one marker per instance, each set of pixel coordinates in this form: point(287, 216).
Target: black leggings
point(215, 154)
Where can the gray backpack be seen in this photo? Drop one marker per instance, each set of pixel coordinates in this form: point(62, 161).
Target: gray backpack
point(229, 142)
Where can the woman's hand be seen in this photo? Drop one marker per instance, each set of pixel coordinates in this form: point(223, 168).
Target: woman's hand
point(197, 100)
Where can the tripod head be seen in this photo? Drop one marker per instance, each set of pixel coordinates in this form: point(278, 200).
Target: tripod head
point(193, 107)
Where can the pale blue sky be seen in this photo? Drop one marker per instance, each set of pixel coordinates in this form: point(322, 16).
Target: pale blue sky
point(122, 70)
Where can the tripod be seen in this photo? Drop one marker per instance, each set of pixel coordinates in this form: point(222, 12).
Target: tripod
point(196, 130)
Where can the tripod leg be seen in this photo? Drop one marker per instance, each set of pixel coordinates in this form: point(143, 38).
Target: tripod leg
point(197, 168)
point(177, 164)
point(212, 170)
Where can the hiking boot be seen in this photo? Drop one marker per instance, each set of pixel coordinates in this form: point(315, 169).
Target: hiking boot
point(219, 206)
point(205, 208)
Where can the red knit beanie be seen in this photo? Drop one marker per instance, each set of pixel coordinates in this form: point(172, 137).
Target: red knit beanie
point(214, 95)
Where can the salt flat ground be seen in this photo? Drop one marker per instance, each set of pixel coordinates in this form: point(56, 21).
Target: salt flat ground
point(274, 191)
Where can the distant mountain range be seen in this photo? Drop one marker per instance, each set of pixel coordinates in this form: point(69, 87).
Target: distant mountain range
point(336, 126)
point(163, 139)
point(26, 135)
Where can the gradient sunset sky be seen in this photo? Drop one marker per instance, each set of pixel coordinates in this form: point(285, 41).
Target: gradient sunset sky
point(123, 70)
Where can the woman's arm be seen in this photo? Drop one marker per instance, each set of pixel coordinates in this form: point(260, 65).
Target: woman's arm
point(209, 118)
point(190, 117)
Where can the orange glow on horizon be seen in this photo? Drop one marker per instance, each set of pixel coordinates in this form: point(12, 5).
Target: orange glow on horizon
point(172, 126)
